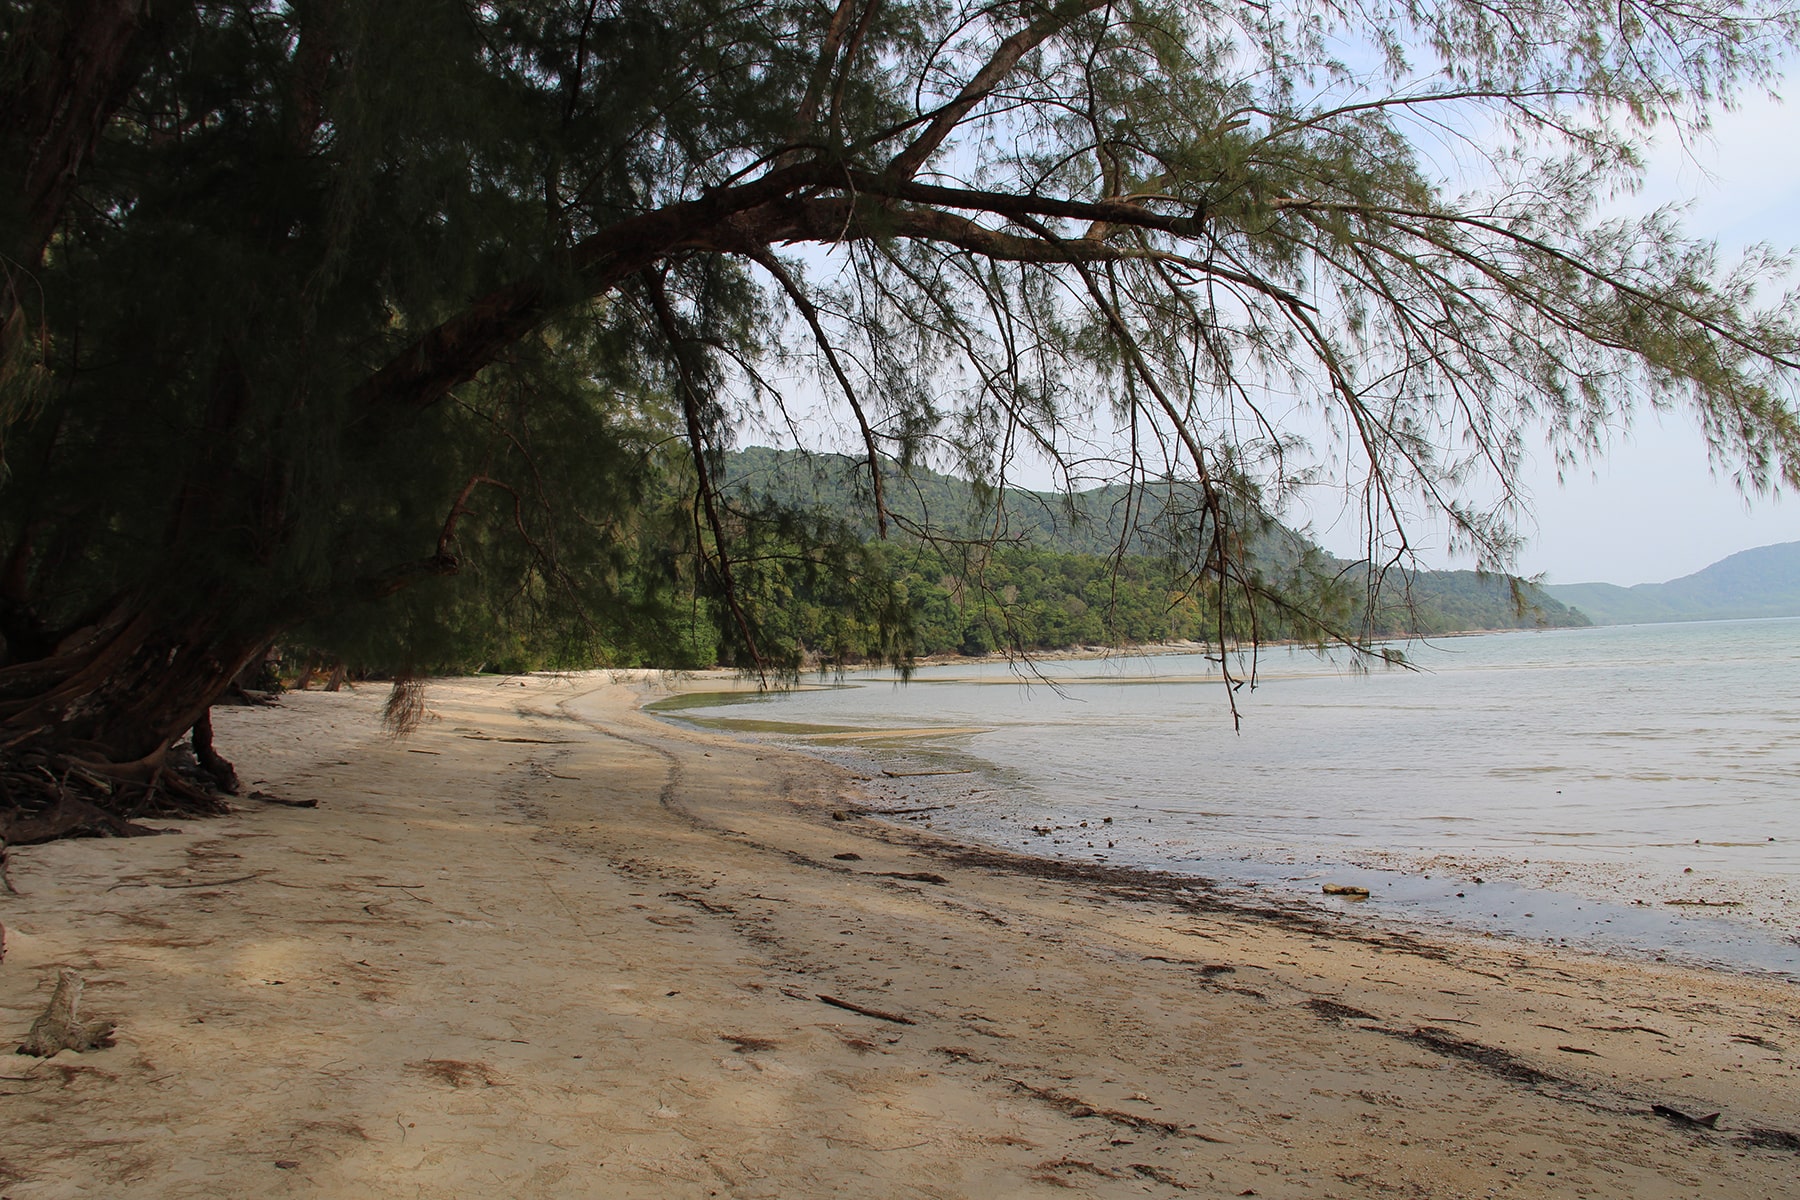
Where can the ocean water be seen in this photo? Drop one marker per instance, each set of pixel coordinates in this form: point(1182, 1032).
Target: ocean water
point(1633, 788)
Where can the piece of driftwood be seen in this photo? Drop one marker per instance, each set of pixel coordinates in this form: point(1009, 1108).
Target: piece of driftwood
point(879, 1015)
point(61, 1027)
point(310, 802)
point(1709, 1121)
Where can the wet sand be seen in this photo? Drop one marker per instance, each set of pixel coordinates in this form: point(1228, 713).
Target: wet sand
point(553, 946)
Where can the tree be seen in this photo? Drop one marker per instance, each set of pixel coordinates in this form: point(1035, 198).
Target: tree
point(309, 303)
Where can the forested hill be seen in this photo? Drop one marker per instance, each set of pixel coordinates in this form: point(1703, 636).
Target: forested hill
point(1056, 580)
point(1764, 582)
point(1090, 522)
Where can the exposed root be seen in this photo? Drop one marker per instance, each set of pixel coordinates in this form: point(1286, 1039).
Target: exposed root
point(63, 815)
point(50, 793)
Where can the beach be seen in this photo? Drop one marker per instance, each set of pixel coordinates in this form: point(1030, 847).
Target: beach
point(550, 945)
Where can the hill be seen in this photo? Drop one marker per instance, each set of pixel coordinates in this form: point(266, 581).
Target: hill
point(1764, 582)
point(1058, 573)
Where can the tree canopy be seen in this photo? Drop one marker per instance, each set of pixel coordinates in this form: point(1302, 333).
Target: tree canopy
point(452, 306)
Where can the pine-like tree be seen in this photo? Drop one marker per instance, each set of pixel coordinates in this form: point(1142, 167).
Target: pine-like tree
point(309, 303)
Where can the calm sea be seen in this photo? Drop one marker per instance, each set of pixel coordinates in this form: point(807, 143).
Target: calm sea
point(1630, 787)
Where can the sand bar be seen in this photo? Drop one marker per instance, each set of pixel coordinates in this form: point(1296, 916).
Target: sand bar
point(552, 946)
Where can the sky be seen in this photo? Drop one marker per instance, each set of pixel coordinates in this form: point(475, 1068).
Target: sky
point(1654, 508)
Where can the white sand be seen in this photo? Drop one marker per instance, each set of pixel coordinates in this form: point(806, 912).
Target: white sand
point(550, 946)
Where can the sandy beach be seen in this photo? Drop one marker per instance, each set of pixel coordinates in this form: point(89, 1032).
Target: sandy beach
point(552, 946)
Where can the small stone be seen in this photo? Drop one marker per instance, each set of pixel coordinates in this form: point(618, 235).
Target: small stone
point(1346, 889)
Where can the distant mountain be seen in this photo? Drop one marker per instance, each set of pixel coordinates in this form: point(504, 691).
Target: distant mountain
point(1094, 523)
point(1764, 582)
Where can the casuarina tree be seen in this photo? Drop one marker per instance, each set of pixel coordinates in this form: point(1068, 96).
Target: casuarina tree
point(340, 316)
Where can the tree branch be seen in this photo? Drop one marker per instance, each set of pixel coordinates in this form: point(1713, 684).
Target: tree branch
point(906, 164)
point(690, 407)
point(791, 286)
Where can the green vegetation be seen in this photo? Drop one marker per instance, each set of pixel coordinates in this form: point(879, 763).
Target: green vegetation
point(414, 331)
point(1013, 569)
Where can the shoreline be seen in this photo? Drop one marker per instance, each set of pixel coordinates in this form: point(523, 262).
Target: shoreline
point(1418, 893)
point(1731, 901)
point(1403, 896)
point(552, 945)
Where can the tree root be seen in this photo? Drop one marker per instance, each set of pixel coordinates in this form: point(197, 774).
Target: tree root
point(47, 794)
point(66, 816)
point(61, 1027)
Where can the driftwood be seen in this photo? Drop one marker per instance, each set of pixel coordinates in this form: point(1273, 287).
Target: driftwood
point(309, 802)
point(877, 1013)
point(1709, 1121)
point(61, 1027)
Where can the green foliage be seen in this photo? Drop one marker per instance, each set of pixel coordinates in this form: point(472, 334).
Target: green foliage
point(1096, 569)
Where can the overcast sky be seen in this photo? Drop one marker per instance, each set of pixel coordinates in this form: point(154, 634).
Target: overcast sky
point(1654, 509)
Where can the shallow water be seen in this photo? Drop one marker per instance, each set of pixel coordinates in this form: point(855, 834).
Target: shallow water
point(1630, 786)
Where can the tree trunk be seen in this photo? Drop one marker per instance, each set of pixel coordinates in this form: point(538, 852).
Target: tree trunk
point(129, 686)
point(223, 774)
point(85, 731)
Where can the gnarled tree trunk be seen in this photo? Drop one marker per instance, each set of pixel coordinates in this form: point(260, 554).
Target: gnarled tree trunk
point(86, 729)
